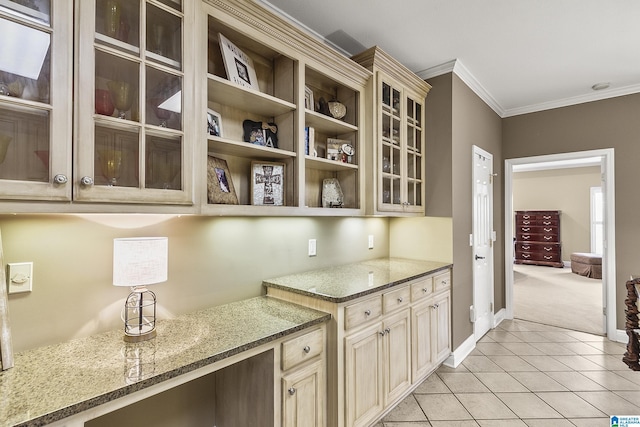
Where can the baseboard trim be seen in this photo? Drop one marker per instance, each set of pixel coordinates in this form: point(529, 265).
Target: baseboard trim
point(499, 317)
point(459, 354)
point(621, 336)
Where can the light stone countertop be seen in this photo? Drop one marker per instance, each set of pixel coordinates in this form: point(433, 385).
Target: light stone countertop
point(346, 282)
point(53, 382)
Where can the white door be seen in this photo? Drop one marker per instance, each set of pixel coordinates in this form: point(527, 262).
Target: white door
point(482, 242)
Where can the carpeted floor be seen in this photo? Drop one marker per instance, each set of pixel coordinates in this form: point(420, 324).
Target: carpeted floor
point(557, 297)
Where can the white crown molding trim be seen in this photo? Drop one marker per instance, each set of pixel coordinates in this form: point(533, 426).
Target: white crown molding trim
point(457, 67)
point(574, 100)
point(303, 27)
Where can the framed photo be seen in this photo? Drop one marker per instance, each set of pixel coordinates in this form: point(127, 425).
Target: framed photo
point(220, 188)
point(267, 183)
point(308, 98)
point(238, 65)
point(214, 123)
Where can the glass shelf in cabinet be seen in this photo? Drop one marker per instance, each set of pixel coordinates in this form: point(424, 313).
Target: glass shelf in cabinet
point(328, 165)
point(229, 94)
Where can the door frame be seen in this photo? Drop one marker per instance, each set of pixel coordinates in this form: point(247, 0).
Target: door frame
point(479, 151)
point(609, 255)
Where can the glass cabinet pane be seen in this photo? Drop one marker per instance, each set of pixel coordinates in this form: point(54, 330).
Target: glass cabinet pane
point(163, 99)
point(118, 23)
point(24, 144)
point(386, 95)
point(119, 79)
point(25, 62)
point(176, 4)
point(116, 157)
point(35, 10)
point(164, 160)
point(163, 37)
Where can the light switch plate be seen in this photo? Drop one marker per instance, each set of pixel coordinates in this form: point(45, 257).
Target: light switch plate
point(20, 277)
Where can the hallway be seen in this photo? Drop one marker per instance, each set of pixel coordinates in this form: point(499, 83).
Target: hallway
point(526, 374)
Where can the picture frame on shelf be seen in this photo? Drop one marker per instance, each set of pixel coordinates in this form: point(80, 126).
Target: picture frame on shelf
point(340, 150)
point(220, 189)
point(260, 133)
point(238, 65)
point(214, 123)
point(308, 98)
point(267, 183)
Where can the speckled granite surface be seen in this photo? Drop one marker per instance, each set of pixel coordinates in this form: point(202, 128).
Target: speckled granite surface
point(53, 382)
point(346, 282)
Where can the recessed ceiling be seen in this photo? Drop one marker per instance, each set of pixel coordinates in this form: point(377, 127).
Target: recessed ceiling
point(519, 56)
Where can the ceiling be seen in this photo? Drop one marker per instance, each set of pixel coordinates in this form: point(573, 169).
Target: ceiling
point(519, 56)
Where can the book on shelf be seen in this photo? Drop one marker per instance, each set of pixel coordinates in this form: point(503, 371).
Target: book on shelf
point(238, 65)
point(309, 141)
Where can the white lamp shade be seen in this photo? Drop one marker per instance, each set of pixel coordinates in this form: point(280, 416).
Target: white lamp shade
point(140, 261)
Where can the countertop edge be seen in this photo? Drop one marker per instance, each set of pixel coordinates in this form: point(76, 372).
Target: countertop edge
point(338, 300)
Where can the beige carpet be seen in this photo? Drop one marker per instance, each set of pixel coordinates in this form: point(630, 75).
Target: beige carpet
point(558, 297)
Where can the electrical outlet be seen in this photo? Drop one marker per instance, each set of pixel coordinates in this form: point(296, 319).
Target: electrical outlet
point(20, 277)
point(370, 241)
point(312, 247)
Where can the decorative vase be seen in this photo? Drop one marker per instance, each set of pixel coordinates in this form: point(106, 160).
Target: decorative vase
point(337, 109)
point(111, 163)
point(104, 105)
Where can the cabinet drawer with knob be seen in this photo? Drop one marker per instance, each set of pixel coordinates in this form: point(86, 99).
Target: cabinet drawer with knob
point(396, 299)
point(441, 282)
point(362, 312)
point(298, 350)
point(421, 289)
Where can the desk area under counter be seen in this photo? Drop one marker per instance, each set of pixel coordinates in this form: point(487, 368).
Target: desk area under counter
point(235, 364)
point(390, 329)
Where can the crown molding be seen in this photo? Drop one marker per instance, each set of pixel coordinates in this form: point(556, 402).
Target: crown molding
point(573, 100)
point(457, 67)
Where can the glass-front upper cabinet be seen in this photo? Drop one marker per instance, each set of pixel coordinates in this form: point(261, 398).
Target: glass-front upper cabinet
point(398, 134)
point(35, 99)
point(133, 121)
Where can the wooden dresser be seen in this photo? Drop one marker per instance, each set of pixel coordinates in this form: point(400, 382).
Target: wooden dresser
point(538, 238)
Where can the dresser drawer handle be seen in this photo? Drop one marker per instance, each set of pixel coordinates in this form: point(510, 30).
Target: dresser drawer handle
point(526, 237)
point(400, 300)
point(526, 222)
point(548, 230)
point(306, 349)
point(548, 257)
point(367, 312)
point(546, 222)
point(548, 237)
point(526, 229)
point(526, 256)
point(526, 247)
point(546, 217)
point(425, 290)
point(548, 249)
point(526, 216)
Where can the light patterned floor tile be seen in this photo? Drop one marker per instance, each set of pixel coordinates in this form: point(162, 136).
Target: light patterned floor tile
point(528, 405)
point(407, 410)
point(575, 381)
point(581, 348)
point(502, 336)
point(463, 383)
point(538, 381)
point(480, 364)
point(444, 407)
point(433, 384)
point(609, 402)
point(485, 406)
point(546, 363)
point(578, 363)
point(500, 382)
point(521, 348)
point(502, 423)
point(512, 363)
point(611, 381)
point(590, 422)
point(548, 423)
point(553, 348)
point(492, 348)
point(464, 423)
point(570, 405)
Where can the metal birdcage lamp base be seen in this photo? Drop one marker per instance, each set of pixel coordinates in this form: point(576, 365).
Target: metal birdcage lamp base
point(140, 315)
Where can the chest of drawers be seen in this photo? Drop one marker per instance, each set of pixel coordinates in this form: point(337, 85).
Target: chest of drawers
point(538, 238)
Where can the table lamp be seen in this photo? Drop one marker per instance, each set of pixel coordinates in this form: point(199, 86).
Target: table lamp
point(138, 262)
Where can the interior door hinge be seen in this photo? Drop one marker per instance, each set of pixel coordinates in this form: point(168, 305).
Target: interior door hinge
point(491, 176)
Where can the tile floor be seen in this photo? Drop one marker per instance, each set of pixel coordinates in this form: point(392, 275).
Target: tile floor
point(526, 374)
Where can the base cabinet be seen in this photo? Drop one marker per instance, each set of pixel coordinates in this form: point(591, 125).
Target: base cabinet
point(303, 397)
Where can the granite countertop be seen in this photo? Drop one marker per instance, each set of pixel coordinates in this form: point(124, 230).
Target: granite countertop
point(347, 282)
point(53, 382)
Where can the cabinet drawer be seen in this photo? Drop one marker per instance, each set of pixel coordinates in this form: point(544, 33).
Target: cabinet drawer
point(361, 312)
point(396, 299)
point(301, 349)
point(422, 289)
point(441, 281)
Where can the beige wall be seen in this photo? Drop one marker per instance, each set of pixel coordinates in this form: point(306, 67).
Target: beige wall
point(611, 123)
point(567, 190)
point(425, 238)
point(212, 261)
point(457, 119)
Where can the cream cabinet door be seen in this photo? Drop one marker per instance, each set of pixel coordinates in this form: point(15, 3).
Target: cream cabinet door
point(397, 355)
point(441, 327)
point(303, 397)
point(363, 375)
point(421, 339)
